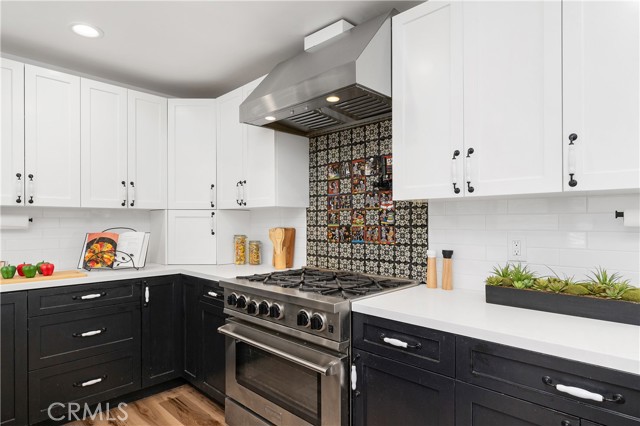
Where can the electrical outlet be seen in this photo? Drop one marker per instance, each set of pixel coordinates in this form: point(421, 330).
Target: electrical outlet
point(517, 247)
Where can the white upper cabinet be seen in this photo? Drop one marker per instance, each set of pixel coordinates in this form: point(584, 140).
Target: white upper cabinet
point(477, 107)
point(427, 101)
point(512, 97)
point(601, 95)
point(52, 138)
point(192, 153)
point(104, 144)
point(12, 146)
point(147, 147)
point(258, 167)
point(231, 148)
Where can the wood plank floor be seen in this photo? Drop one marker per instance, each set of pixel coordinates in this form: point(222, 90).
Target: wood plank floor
point(180, 406)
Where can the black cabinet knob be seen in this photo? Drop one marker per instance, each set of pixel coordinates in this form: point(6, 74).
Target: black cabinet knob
point(302, 319)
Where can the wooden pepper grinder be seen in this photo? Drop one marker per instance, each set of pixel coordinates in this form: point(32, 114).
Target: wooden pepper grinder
point(447, 272)
point(432, 275)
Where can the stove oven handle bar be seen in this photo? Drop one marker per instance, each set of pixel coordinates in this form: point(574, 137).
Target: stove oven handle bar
point(331, 365)
point(399, 343)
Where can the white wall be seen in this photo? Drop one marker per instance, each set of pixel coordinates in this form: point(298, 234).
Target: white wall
point(263, 219)
point(57, 234)
point(571, 234)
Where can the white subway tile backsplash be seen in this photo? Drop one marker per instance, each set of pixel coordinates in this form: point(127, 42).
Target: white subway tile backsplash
point(569, 235)
point(475, 206)
point(457, 222)
point(522, 222)
point(611, 203)
point(616, 241)
point(547, 205)
point(593, 222)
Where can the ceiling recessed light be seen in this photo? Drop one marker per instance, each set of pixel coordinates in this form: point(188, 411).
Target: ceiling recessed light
point(332, 98)
point(86, 30)
point(270, 118)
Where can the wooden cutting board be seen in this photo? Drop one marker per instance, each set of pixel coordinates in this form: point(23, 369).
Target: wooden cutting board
point(62, 275)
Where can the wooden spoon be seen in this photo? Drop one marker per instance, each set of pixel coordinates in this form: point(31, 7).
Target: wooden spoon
point(276, 235)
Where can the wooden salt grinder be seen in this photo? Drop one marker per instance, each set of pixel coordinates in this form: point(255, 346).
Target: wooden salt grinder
point(447, 272)
point(432, 274)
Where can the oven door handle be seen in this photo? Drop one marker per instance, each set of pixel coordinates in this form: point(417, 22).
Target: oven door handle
point(321, 363)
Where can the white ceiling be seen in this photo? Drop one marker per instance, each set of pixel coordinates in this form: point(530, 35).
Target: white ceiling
point(179, 48)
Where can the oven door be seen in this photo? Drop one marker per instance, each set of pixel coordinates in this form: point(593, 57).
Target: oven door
point(283, 380)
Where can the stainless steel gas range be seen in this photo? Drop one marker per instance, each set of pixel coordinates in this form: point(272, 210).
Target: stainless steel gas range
point(288, 344)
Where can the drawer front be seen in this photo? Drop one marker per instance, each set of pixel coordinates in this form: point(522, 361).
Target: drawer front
point(212, 293)
point(426, 348)
point(532, 376)
point(88, 381)
point(54, 339)
point(480, 407)
point(65, 299)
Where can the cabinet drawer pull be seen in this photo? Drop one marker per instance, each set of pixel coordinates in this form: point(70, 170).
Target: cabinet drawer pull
point(582, 393)
point(19, 185)
point(89, 382)
point(212, 195)
point(124, 194)
point(399, 343)
point(133, 194)
point(467, 170)
point(89, 296)
point(212, 293)
point(31, 189)
point(454, 172)
point(571, 166)
point(90, 333)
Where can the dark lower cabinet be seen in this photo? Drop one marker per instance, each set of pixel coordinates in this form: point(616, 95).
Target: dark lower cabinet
point(393, 393)
point(204, 347)
point(161, 330)
point(481, 407)
point(212, 352)
point(13, 359)
point(191, 288)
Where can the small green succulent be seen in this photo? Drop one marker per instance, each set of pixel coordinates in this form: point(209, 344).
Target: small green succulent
point(494, 280)
point(617, 290)
point(556, 285)
point(541, 284)
point(602, 277)
point(502, 271)
point(526, 283)
point(576, 289)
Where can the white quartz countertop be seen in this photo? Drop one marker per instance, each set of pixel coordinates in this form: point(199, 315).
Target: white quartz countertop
point(466, 313)
point(210, 272)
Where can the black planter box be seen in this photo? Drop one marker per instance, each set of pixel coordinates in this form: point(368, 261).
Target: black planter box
point(568, 304)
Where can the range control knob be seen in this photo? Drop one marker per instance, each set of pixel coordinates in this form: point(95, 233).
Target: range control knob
point(303, 319)
point(317, 322)
point(252, 308)
point(276, 311)
point(241, 302)
point(232, 299)
point(263, 308)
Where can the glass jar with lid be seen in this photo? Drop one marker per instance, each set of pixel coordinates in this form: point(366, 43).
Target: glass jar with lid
point(254, 253)
point(240, 249)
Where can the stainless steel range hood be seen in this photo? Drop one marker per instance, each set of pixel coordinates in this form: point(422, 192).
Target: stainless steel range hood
point(354, 66)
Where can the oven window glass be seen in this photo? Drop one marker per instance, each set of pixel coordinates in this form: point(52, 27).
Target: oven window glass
point(289, 385)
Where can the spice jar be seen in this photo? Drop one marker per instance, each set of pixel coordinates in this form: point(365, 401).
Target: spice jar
point(240, 247)
point(254, 253)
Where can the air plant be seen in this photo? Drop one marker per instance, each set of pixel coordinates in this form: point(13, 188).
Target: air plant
point(504, 273)
point(602, 277)
point(521, 273)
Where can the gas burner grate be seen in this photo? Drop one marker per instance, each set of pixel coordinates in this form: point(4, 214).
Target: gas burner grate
point(329, 283)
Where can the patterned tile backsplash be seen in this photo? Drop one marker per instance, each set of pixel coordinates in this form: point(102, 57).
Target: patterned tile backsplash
point(352, 221)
